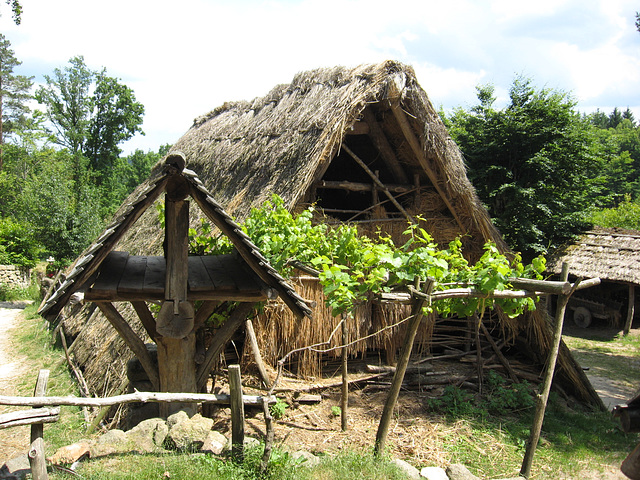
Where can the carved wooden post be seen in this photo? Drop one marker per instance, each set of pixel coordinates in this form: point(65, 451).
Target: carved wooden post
point(36, 451)
point(175, 325)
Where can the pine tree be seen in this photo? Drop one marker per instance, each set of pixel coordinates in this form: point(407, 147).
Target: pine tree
point(14, 92)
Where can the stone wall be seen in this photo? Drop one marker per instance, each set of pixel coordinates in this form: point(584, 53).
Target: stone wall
point(15, 276)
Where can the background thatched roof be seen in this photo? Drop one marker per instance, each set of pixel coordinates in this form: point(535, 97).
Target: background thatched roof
point(609, 253)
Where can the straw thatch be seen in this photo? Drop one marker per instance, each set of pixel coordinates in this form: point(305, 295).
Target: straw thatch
point(300, 141)
point(613, 254)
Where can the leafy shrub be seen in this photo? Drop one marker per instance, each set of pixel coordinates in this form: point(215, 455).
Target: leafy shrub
point(17, 244)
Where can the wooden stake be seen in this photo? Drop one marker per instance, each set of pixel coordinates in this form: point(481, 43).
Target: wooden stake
point(237, 412)
point(630, 310)
point(401, 367)
point(36, 451)
point(257, 357)
point(542, 398)
point(344, 403)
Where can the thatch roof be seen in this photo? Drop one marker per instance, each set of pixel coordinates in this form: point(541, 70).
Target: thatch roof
point(300, 142)
point(608, 253)
point(82, 273)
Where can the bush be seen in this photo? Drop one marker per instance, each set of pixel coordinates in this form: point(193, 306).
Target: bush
point(17, 244)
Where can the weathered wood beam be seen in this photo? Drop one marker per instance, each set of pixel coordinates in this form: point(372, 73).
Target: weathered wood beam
point(204, 312)
point(216, 295)
point(630, 310)
point(37, 460)
point(380, 141)
point(143, 397)
point(135, 344)
point(410, 135)
point(146, 318)
point(360, 187)
point(30, 417)
point(358, 128)
point(377, 181)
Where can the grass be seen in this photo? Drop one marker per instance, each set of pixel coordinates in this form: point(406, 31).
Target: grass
point(483, 435)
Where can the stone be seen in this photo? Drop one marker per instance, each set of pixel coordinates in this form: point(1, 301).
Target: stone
point(16, 468)
point(177, 418)
point(111, 443)
point(70, 453)
point(434, 473)
point(215, 443)
point(457, 471)
point(149, 435)
point(409, 470)
point(306, 459)
point(190, 434)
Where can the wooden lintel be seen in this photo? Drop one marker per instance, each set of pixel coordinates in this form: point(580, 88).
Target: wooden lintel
point(360, 187)
point(380, 141)
point(216, 295)
point(409, 134)
point(132, 340)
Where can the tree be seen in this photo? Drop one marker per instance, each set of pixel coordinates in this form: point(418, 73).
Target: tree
point(14, 93)
point(530, 162)
point(16, 9)
point(91, 112)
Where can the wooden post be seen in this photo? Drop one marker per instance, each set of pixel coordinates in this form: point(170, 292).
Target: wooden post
point(36, 451)
point(630, 310)
point(237, 412)
point(257, 357)
point(542, 398)
point(477, 320)
point(401, 368)
point(177, 371)
point(344, 403)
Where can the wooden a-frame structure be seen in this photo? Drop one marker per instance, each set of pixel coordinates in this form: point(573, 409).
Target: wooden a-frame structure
point(176, 281)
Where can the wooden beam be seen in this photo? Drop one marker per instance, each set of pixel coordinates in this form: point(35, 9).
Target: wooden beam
point(146, 318)
point(135, 344)
point(361, 187)
point(379, 139)
point(204, 312)
point(220, 339)
point(358, 128)
point(377, 181)
point(409, 134)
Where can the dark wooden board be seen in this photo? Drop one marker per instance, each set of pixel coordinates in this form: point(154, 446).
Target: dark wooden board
point(111, 270)
point(199, 279)
point(218, 269)
point(133, 279)
point(154, 277)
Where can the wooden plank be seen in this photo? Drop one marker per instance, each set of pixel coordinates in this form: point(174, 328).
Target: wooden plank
point(29, 417)
point(132, 280)
point(110, 272)
point(216, 268)
point(36, 451)
point(154, 276)
point(237, 412)
point(199, 279)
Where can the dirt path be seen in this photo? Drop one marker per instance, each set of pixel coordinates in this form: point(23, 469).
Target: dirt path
point(13, 441)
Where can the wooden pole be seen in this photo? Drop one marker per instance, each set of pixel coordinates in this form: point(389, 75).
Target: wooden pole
point(237, 412)
point(630, 310)
point(344, 404)
point(542, 398)
point(257, 357)
point(36, 451)
point(401, 367)
point(479, 361)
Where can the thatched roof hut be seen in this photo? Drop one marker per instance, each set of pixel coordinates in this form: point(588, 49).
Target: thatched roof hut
point(366, 146)
point(613, 255)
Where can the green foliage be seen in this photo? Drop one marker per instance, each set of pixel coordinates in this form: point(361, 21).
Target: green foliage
point(530, 162)
point(278, 409)
point(625, 215)
point(500, 398)
point(353, 267)
point(17, 244)
point(14, 90)
point(336, 411)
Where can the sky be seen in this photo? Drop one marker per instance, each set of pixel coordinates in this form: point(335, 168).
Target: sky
point(184, 58)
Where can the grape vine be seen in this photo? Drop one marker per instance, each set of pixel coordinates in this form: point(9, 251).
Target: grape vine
point(354, 268)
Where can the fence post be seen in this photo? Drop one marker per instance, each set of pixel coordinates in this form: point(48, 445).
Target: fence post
point(237, 411)
point(36, 451)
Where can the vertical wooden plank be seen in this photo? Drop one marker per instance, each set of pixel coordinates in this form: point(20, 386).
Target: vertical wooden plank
point(344, 404)
point(630, 310)
point(237, 411)
point(36, 451)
